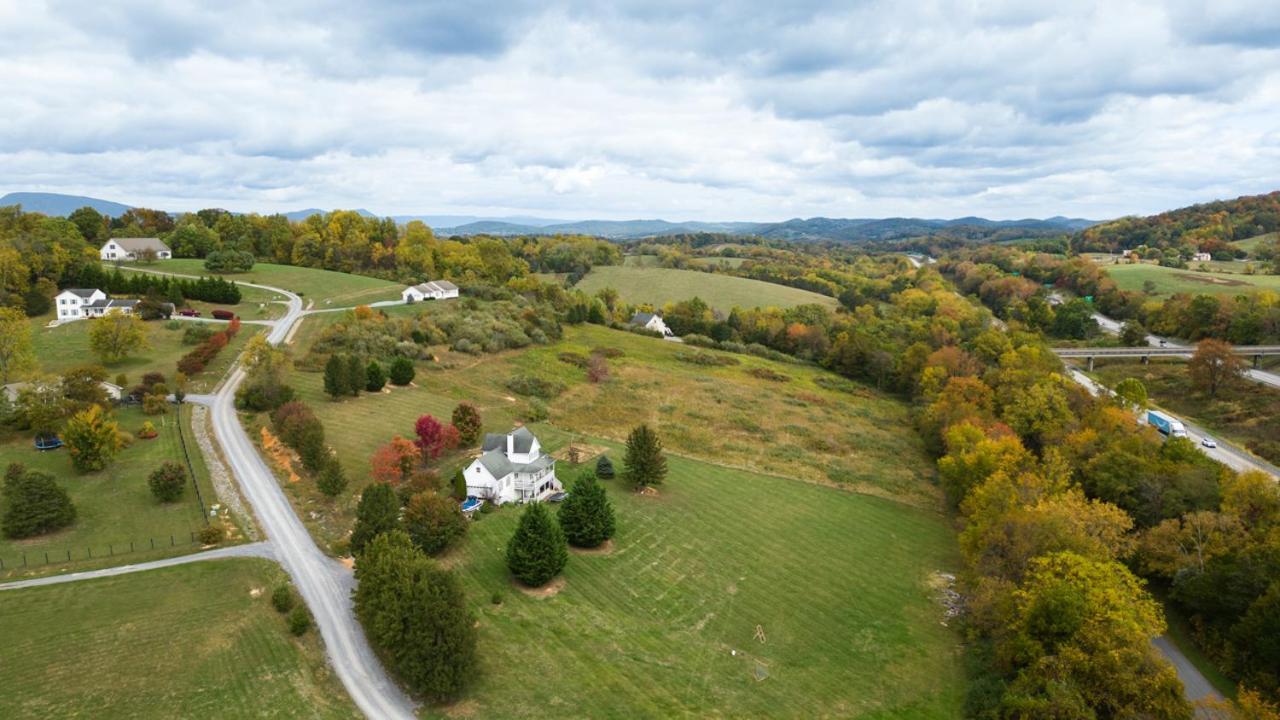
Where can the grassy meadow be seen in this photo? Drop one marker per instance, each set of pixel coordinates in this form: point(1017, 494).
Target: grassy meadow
point(198, 640)
point(665, 624)
point(63, 347)
point(1170, 281)
point(1251, 245)
point(324, 287)
point(114, 506)
point(658, 286)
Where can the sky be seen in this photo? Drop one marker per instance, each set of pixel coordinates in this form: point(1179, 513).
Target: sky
point(752, 110)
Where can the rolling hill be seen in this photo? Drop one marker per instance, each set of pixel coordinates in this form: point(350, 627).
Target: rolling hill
point(57, 204)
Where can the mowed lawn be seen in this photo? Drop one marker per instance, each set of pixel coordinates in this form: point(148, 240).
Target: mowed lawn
point(324, 287)
point(1169, 281)
point(199, 640)
point(66, 346)
point(666, 624)
point(113, 507)
point(658, 286)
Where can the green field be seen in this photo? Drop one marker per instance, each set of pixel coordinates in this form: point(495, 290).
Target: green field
point(665, 625)
point(658, 286)
point(182, 642)
point(323, 287)
point(65, 346)
point(114, 507)
point(1169, 281)
point(1252, 244)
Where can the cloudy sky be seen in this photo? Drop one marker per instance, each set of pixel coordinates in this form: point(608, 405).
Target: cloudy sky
point(758, 110)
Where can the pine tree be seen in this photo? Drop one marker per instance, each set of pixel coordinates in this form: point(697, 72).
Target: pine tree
point(374, 378)
point(467, 419)
point(459, 485)
point(586, 516)
point(402, 371)
point(378, 512)
point(356, 375)
point(332, 480)
point(536, 552)
point(416, 613)
point(604, 468)
point(335, 377)
point(644, 461)
point(433, 522)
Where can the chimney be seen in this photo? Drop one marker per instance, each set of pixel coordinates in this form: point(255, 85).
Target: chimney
point(511, 444)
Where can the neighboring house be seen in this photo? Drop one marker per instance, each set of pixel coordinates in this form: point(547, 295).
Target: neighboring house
point(512, 468)
point(651, 321)
point(81, 303)
point(1201, 257)
point(114, 392)
point(132, 248)
point(433, 290)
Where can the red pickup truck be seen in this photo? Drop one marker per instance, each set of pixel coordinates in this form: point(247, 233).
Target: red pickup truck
point(188, 312)
point(223, 314)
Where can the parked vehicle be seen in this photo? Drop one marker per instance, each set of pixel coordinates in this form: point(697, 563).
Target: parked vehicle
point(223, 314)
point(188, 312)
point(1165, 424)
point(1208, 442)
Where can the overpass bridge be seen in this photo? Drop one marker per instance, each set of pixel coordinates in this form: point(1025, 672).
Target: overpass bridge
point(1256, 352)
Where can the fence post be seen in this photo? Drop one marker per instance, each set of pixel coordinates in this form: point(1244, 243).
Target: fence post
point(111, 550)
point(153, 543)
point(46, 557)
point(130, 546)
point(68, 554)
point(24, 559)
point(171, 542)
point(90, 550)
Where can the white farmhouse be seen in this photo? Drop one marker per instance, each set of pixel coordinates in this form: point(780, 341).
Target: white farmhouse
point(433, 290)
point(131, 249)
point(512, 468)
point(1201, 257)
point(80, 303)
point(651, 321)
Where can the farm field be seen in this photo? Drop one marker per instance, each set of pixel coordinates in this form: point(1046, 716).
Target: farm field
point(186, 641)
point(1247, 414)
point(1252, 244)
point(114, 506)
point(841, 433)
point(658, 286)
point(665, 624)
point(66, 346)
point(1169, 281)
point(324, 287)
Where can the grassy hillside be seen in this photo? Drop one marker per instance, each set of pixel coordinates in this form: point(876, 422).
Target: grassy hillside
point(1251, 245)
point(660, 285)
point(1169, 281)
point(665, 624)
point(198, 640)
point(113, 507)
point(323, 287)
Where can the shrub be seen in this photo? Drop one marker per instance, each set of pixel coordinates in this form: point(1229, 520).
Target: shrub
point(34, 504)
point(168, 482)
point(609, 352)
point(604, 468)
point(496, 598)
point(374, 377)
point(466, 418)
point(196, 333)
point(299, 621)
point(402, 371)
point(577, 360)
point(92, 439)
point(698, 357)
point(536, 552)
point(586, 516)
point(212, 533)
point(535, 411)
point(332, 480)
point(148, 431)
point(378, 512)
point(597, 369)
point(535, 386)
point(282, 598)
point(229, 261)
point(155, 404)
point(768, 374)
point(433, 522)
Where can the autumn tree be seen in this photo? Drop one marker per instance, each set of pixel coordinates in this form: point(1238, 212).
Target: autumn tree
point(168, 481)
point(433, 522)
point(1132, 393)
point(536, 552)
point(585, 515)
point(116, 335)
point(430, 436)
point(16, 354)
point(1214, 365)
point(466, 418)
point(1133, 334)
point(394, 462)
point(92, 439)
point(644, 462)
point(377, 512)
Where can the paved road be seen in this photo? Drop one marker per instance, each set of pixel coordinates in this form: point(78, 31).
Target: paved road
point(258, 549)
point(1195, 686)
point(1113, 327)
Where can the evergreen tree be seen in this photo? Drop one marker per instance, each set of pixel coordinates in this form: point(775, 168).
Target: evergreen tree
point(586, 516)
point(536, 552)
point(416, 613)
point(402, 371)
point(466, 418)
point(378, 512)
point(34, 504)
point(332, 480)
point(644, 461)
point(356, 375)
point(374, 377)
point(459, 485)
point(433, 522)
point(335, 377)
point(604, 468)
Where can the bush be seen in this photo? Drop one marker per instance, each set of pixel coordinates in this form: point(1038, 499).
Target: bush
point(155, 404)
point(466, 418)
point(196, 332)
point(609, 352)
point(375, 377)
point(536, 552)
point(535, 386)
point(332, 480)
point(148, 431)
point(577, 360)
point(229, 261)
point(496, 598)
point(212, 534)
point(535, 411)
point(299, 621)
point(768, 374)
point(402, 371)
point(282, 598)
point(34, 504)
point(168, 482)
point(698, 357)
point(377, 513)
point(604, 468)
point(433, 522)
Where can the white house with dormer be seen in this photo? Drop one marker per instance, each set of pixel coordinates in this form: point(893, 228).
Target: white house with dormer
point(121, 249)
point(80, 303)
point(651, 321)
point(433, 290)
point(512, 468)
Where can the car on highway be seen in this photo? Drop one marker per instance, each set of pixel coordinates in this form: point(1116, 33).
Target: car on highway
point(1208, 442)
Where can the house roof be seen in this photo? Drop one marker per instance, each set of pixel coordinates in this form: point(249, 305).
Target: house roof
point(496, 462)
point(498, 441)
point(108, 304)
point(642, 318)
point(82, 292)
point(140, 244)
point(435, 286)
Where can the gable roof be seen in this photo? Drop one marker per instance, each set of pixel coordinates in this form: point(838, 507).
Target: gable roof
point(81, 292)
point(435, 286)
point(140, 244)
point(642, 318)
point(108, 304)
point(499, 466)
point(523, 441)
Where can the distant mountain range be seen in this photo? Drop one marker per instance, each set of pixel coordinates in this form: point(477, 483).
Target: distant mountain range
point(819, 228)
